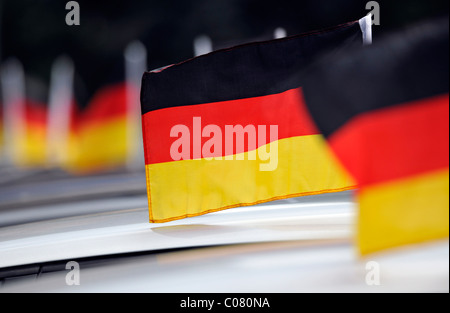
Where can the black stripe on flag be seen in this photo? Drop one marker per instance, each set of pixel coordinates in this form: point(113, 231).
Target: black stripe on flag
point(407, 66)
point(245, 71)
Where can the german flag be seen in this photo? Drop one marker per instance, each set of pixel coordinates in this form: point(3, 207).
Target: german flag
point(29, 135)
point(385, 113)
point(230, 128)
point(24, 116)
point(99, 138)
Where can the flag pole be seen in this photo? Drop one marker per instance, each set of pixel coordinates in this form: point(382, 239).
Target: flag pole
point(59, 113)
point(279, 32)
point(202, 45)
point(366, 27)
point(135, 65)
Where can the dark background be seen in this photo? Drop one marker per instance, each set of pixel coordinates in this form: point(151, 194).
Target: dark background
point(35, 31)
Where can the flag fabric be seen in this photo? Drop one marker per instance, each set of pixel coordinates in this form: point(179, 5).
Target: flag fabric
point(230, 128)
point(24, 117)
point(98, 138)
point(29, 135)
point(385, 113)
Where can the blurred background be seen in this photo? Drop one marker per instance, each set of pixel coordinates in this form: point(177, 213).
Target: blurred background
point(70, 93)
point(70, 137)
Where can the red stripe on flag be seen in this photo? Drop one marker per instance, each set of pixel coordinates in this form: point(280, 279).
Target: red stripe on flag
point(108, 103)
point(395, 142)
point(35, 113)
point(287, 110)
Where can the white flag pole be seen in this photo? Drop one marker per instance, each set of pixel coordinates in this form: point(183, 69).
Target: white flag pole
point(59, 112)
point(12, 81)
point(135, 65)
point(279, 32)
point(366, 27)
point(202, 45)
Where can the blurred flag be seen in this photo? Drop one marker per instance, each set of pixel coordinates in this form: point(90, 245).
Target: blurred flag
point(230, 128)
point(107, 134)
point(385, 113)
point(28, 138)
point(24, 117)
point(32, 148)
point(99, 135)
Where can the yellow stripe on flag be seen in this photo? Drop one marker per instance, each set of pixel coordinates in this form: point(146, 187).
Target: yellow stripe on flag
point(405, 211)
point(29, 150)
point(99, 146)
point(188, 188)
